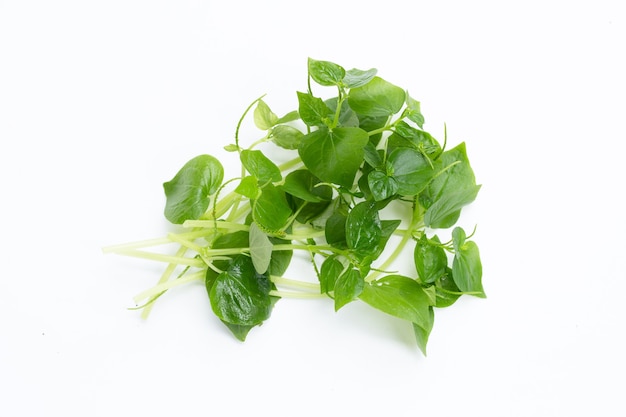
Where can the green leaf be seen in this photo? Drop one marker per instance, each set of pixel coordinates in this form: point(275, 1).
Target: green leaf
point(334, 156)
point(280, 258)
point(302, 184)
point(430, 259)
point(413, 111)
point(264, 118)
point(325, 73)
point(347, 116)
point(378, 98)
point(467, 268)
point(356, 78)
point(381, 186)
point(240, 295)
point(409, 137)
point(260, 166)
point(329, 273)
point(446, 291)
point(452, 188)
point(411, 170)
point(348, 287)
point(400, 297)
point(248, 187)
point(188, 193)
point(313, 111)
point(422, 333)
point(271, 211)
point(286, 137)
point(335, 229)
point(373, 156)
point(363, 228)
point(289, 117)
point(260, 249)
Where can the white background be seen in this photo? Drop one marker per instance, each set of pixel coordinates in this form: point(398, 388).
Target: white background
point(102, 101)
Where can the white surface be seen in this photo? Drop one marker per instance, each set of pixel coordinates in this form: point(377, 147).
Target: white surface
point(100, 102)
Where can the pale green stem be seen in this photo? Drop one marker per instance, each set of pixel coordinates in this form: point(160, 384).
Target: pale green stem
point(290, 164)
point(164, 286)
point(167, 273)
point(153, 242)
point(294, 283)
point(172, 259)
point(216, 224)
point(293, 294)
point(184, 242)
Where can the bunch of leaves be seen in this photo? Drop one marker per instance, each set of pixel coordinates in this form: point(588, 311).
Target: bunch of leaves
point(360, 157)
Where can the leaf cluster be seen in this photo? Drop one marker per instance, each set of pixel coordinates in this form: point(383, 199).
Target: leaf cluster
point(357, 154)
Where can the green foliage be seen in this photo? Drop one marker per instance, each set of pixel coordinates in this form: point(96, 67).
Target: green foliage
point(189, 192)
point(355, 154)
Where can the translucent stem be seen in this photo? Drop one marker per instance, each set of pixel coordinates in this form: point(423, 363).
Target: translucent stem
point(164, 286)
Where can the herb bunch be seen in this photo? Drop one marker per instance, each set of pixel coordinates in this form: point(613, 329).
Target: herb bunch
point(359, 158)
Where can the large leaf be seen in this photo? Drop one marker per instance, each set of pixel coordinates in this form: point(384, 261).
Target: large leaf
point(240, 295)
point(334, 156)
point(377, 98)
point(188, 193)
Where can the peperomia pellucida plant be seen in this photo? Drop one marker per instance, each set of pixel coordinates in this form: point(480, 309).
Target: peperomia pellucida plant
point(366, 184)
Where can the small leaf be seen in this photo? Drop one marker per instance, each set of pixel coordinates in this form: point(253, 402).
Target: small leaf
point(286, 137)
point(363, 228)
point(453, 187)
point(289, 117)
point(264, 118)
point(414, 111)
point(248, 187)
point(430, 259)
point(348, 287)
point(467, 268)
point(422, 333)
point(411, 171)
point(329, 273)
point(260, 249)
point(446, 291)
point(271, 211)
point(302, 184)
point(381, 186)
point(188, 193)
point(313, 111)
point(260, 166)
point(335, 229)
point(325, 73)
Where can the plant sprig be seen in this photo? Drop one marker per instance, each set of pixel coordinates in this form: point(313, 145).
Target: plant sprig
point(356, 156)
